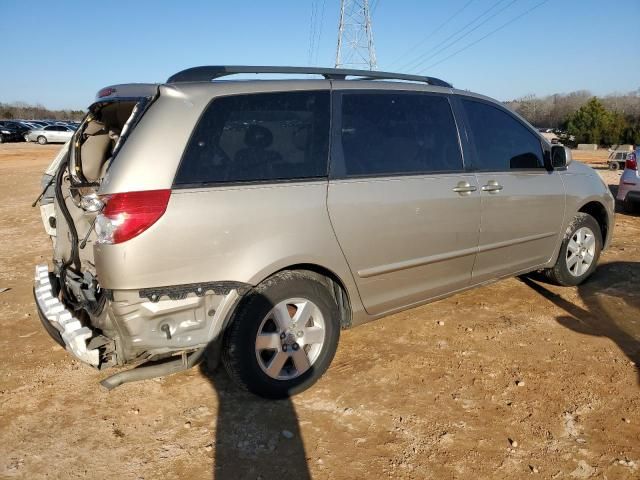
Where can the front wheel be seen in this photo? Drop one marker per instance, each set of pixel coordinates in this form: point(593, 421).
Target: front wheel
point(579, 252)
point(613, 165)
point(42, 140)
point(283, 335)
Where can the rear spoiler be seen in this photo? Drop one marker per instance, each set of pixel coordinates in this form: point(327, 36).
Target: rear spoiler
point(127, 90)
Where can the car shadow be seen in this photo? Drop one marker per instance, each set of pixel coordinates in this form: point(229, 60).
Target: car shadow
point(255, 438)
point(612, 306)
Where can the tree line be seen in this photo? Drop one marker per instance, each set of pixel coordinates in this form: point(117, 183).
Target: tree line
point(25, 111)
point(609, 120)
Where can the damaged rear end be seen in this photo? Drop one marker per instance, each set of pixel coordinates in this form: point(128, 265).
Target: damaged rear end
point(100, 321)
point(71, 302)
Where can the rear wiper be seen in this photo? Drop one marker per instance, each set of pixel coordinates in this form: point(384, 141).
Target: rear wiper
point(44, 190)
point(83, 243)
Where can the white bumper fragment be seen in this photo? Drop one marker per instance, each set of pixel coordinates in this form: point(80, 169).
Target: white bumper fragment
point(74, 335)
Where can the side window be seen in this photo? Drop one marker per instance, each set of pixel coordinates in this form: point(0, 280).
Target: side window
point(257, 137)
point(396, 133)
point(49, 129)
point(502, 142)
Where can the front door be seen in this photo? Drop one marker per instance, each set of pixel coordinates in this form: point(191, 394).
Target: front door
point(405, 213)
point(522, 202)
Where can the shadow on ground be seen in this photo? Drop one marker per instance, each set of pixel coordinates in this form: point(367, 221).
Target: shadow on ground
point(255, 438)
point(612, 306)
point(249, 441)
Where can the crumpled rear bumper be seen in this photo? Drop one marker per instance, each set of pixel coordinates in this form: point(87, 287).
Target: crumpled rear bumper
point(52, 312)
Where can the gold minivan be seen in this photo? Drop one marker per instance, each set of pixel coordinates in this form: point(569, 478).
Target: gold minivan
point(252, 220)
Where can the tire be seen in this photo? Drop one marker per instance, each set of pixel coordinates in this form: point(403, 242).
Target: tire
point(1, 139)
point(42, 140)
point(265, 310)
point(628, 206)
point(613, 166)
point(571, 271)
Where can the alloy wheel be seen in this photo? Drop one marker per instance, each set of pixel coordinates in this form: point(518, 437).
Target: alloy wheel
point(290, 338)
point(581, 251)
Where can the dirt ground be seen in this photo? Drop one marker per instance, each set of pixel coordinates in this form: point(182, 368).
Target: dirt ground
point(523, 380)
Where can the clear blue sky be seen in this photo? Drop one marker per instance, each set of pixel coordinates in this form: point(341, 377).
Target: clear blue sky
point(61, 53)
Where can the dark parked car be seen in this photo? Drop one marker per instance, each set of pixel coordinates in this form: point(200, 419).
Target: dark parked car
point(12, 131)
point(13, 124)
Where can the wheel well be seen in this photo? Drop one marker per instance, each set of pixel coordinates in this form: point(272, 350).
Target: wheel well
point(334, 283)
point(597, 211)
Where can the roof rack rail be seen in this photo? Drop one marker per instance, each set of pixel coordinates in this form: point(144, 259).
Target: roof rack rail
point(209, 73)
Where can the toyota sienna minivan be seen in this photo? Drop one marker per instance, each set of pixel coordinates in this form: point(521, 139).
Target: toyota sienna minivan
point(251, 220)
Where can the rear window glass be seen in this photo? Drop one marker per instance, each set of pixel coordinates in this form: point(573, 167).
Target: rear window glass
point(259, 137)
point(502, 142)
point(398, 133)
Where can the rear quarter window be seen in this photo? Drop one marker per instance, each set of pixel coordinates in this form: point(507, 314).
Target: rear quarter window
point(259, 137)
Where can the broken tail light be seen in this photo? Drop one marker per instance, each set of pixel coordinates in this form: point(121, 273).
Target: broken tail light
point(127, 215)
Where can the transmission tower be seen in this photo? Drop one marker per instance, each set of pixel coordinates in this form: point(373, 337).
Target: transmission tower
point(355, 37)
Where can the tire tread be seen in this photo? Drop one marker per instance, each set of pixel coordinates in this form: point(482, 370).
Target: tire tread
point(558, 274)
point(231, 358)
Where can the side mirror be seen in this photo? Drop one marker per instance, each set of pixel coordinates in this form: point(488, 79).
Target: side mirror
point(560, 156)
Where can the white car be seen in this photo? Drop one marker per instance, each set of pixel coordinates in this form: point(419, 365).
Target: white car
point(616, 159)
point(629, 188)
point(50, 134)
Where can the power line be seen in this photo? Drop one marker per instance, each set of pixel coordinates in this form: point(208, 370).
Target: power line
point(465, 34)
point(311, 31)
point(320, 31)
point(417, 61)
point(430, 35)
point(504, 25)
point(315, 30)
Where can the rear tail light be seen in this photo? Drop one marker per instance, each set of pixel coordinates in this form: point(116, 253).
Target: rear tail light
point(127, 215)
point(631, 163)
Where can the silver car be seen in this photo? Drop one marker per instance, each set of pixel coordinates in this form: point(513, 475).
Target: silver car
point(50, 134)
point(629, 188)
point(253, 220)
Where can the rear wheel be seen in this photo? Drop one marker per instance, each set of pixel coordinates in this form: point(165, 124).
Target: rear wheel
point(579, 252)
point(283, 335)
point(42, 140)
point(613, 165)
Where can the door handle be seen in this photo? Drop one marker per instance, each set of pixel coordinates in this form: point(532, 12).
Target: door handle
point(464, 188)
point(492, 187)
